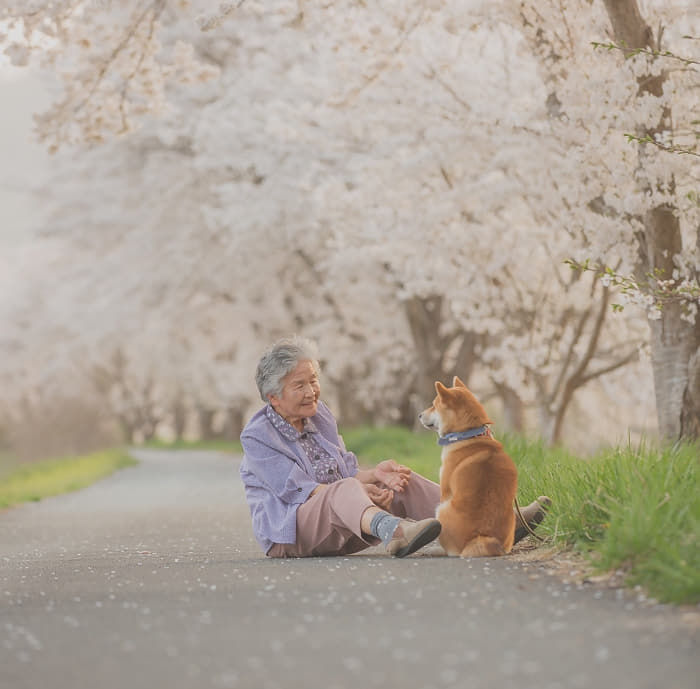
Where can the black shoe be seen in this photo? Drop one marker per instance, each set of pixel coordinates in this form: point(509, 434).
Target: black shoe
point(534, 513)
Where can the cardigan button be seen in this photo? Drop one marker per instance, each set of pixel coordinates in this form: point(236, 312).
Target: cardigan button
point(299, 490)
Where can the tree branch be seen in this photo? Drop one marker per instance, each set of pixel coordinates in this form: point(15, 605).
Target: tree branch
point(371, 79)
point(595, 336)
point(580, 326)
point(632, 356)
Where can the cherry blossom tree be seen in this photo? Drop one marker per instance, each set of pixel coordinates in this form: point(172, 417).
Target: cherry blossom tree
point(643, 194)
point(115, 68)
point(402, 183)
point(477, 261)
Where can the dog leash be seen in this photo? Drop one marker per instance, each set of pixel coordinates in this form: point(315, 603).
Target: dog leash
point(524, 523)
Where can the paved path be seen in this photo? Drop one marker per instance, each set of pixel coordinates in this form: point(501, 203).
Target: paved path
point(151, 579)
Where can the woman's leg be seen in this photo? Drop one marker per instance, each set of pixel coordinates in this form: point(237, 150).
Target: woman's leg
point(329, 523)
point(419, 499)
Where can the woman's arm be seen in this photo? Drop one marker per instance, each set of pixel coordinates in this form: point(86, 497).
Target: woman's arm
point(366, 476)
point(280, 474)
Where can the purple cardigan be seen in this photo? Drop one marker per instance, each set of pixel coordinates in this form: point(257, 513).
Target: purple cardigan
point(278, 476)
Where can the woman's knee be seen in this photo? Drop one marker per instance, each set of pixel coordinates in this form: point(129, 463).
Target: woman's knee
point(348, 485)
point(347, 493)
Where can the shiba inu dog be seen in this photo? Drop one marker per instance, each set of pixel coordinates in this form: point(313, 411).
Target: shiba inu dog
point(478, 480)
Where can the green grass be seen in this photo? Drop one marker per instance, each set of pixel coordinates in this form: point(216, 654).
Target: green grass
point(633, 509)
point(8, 463)
point(418, 450)
point(54, 476)
point(218, 445)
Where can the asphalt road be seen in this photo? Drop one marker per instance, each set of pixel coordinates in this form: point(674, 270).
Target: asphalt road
point(151, 578)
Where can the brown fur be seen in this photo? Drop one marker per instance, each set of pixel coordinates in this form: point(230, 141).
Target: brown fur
point(478, 480)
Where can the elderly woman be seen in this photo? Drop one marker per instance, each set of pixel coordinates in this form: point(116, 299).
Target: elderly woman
point(306, 492)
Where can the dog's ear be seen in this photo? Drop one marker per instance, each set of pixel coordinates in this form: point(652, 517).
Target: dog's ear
point(457, 383)
point(440, 388)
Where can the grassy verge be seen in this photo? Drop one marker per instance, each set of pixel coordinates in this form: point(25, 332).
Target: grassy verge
point(218, 445)
point(8, 463)
point(633, 509)
point(53, 476)
point(418, 450)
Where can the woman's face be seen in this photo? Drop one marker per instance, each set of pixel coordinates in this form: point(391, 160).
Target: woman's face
point(300, 392)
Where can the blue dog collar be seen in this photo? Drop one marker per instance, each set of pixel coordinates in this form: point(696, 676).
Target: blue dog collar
point(450, 438)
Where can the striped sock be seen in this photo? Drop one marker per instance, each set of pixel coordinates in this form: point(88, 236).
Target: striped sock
point(383, 526)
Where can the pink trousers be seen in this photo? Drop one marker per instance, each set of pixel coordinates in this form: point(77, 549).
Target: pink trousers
point(329, 522)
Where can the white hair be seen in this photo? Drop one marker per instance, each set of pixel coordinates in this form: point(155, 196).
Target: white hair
point(280, 360)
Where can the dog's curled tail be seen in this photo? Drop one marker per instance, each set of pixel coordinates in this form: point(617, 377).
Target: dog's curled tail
point(483, 546)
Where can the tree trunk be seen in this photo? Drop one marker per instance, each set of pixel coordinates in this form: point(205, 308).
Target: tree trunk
point(179, 411)
point(675, 343)
point(425, 318)
point(127, 427)
point(407, 410)
point(206, 423)
point(513, 408)
point(690, 410)
point(233, 424)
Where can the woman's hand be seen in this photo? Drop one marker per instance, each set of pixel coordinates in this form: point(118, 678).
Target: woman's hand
point(381, 497)
point(392, 474)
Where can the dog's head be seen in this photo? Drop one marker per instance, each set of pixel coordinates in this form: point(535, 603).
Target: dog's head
point(454, 409)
